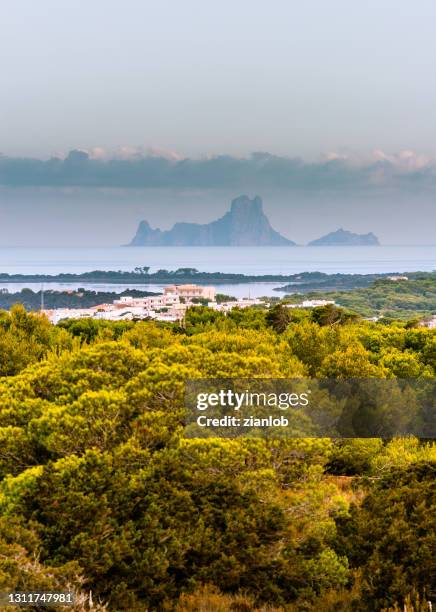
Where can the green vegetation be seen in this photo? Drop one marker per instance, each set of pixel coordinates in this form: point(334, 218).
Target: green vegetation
point(82, 298)
point(404, 299)
point(101, 492)
point(304, 281)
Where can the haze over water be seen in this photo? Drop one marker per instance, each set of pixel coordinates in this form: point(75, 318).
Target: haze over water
point(244, 260)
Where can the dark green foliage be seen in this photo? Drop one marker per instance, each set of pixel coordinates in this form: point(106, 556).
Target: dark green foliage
point(88, 329)
point(222, 297)
point(391, 536)
point(82, 298)
point(279, 317)
point(332, 315)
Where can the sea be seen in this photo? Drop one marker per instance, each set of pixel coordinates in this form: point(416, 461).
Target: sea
point(244, 260)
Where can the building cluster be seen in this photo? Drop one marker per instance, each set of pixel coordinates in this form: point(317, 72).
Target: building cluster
point(311, 304)
point(169, 306)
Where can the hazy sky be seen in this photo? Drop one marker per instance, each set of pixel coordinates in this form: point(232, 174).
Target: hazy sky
point(285, 76)
point(170, 98)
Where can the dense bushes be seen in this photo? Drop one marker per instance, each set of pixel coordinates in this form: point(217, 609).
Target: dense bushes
point(99, 485)
point(391, 536)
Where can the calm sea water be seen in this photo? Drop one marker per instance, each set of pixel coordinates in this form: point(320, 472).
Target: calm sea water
point(246, 260)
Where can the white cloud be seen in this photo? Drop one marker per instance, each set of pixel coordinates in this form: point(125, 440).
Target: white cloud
point(406, 159)
point(131, 152)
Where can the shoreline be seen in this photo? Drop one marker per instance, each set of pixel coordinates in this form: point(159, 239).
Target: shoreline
point(194, 277)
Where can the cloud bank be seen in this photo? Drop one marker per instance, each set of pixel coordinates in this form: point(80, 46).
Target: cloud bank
point(133, 167)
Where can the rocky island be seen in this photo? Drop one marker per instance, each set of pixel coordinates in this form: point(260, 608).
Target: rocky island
point(343, 237)
point(245, 224)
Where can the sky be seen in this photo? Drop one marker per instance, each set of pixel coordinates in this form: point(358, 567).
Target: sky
point(341, 85)
point(235, 76)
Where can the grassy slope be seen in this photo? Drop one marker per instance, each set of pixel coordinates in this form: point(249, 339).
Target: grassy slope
point(401, 299)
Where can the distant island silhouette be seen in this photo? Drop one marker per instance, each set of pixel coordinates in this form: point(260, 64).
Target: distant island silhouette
point(343, 237)
point(245, 224)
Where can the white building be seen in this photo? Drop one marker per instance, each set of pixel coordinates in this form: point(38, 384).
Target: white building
point(150, 302)
point(190, 291)
point(311, 304)
point(58, 314)
point(165, 307)
point(241, 303)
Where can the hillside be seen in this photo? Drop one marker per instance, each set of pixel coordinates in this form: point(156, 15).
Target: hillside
point(404, 299)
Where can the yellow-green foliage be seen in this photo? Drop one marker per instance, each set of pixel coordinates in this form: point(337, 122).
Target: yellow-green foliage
point(115, 501)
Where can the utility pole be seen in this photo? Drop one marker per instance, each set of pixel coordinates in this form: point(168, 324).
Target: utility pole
point(42, 297)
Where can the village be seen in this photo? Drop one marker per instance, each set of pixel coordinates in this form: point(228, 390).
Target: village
point(170, 306)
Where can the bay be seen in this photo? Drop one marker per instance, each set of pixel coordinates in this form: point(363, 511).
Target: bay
point(245, 260)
